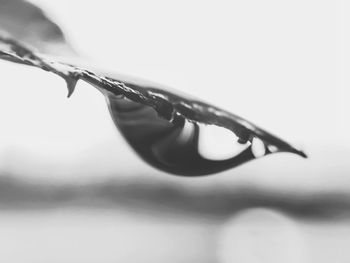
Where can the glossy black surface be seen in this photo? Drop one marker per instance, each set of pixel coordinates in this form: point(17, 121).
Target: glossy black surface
point(171, 146)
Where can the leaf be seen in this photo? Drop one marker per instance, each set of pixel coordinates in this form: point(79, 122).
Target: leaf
point(163, 127)
point(154, 120)
point(28, 24)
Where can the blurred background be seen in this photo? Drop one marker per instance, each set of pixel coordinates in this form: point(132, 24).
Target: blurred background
point(72, 190)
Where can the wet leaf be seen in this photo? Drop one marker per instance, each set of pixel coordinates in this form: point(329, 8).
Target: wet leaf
point(164, 128)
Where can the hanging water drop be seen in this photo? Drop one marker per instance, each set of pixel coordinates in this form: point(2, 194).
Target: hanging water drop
point(174, 133)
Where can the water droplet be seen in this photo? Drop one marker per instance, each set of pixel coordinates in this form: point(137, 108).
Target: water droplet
point(169, 146)
point(174, 133)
